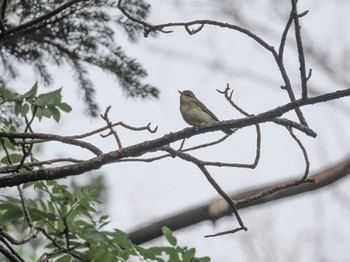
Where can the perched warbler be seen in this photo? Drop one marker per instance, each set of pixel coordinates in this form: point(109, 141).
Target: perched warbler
point(195, 113)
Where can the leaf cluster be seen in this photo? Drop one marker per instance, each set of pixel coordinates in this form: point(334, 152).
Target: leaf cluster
point(44, 105)
point(76, 230)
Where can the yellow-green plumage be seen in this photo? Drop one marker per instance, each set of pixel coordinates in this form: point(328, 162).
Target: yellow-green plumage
point(194, 112)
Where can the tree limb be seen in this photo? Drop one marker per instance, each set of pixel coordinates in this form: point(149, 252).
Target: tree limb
point(217, 208)
point(151, 145)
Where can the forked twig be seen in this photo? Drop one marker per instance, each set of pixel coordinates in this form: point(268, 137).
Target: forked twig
point(215, 185)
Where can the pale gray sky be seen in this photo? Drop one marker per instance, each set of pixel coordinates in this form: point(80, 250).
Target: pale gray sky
point(306, 228)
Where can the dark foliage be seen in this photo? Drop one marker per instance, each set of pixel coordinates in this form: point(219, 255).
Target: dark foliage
point(77, 33)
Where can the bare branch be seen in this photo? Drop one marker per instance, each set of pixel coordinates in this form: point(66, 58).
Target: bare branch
point(289, 123)
point(99, 130)
point(306, 157)
point(12, 255)
point(207, 144)
point(151, 159)
point(300, 49)
point(29, 165)
point(41, 138)
point(243, 199)
point(228, 97)
point(109, 124)
point(278, 57)
point(212, 181)
point(155, 144)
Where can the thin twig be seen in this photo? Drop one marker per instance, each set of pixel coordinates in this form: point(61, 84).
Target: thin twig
point(226, 232)
point(211, 180)
point(112, 131)
point(99, 130)
point(27, 151)
point(273, 190)
point(228, 97)
point(27, 215)
point(289, 123)
point(300, 48)
point(208, 144)
point(152, 145)
point(306, 157)
point(152, 159)
point(279, 60)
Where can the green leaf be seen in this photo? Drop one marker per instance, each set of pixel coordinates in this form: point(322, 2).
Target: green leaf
point(168, 234)
point(48, 98)
point(203, 259)
point(32, 92)
point(5, 93)
point(25, 109)
point(56, 114)
point(15, 158)
point(189, 255)
point(46, 112)
point(18, 107)
point(39, 113)
point(8, 144)
point(65, 107)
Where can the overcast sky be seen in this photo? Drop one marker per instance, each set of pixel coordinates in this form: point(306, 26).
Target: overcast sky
point(312, 227)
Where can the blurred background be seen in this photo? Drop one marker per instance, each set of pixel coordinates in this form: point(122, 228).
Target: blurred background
point(307, 227)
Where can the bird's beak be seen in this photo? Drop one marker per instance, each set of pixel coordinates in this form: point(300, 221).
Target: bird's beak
point(179, 92)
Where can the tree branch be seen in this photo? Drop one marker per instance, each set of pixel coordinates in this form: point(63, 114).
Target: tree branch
point(151, 145)
point(148, 28)
point(39, 19)
point(217, 208)
point(41, 137)
point(300, 48)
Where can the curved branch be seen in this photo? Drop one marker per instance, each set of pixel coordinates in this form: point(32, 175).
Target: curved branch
point(217, 208)
point(214, 184)
point(41, 137)
point(152, 145)
point(148, 28)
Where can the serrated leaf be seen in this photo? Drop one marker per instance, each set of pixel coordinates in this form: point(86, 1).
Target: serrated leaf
point(32, 92)
point(65, 107)
point(168, 234)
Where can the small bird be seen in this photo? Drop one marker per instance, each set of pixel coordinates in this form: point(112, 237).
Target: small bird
point(195, 113)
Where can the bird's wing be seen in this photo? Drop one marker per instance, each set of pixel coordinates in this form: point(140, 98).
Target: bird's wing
point(202, 106)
